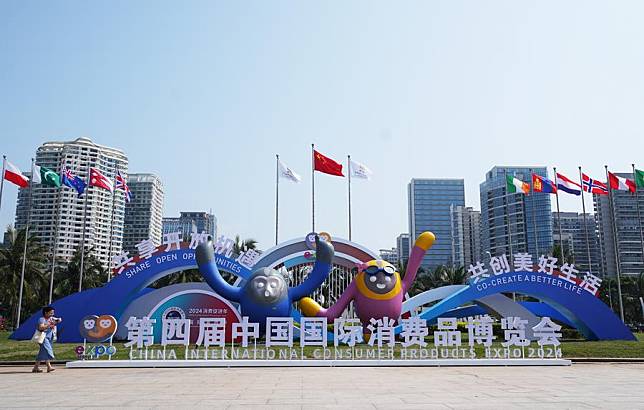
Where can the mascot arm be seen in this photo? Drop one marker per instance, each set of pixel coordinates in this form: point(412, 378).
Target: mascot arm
point(208, 267)
point(311, 308)
point(422, 244)
point(321, 269)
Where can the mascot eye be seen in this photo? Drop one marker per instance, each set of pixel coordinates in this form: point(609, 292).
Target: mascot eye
point(259, 285)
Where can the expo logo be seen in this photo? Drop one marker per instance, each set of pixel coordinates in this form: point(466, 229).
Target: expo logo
point(94, 352)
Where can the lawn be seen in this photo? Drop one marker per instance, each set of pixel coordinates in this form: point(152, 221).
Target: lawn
point(11, 350)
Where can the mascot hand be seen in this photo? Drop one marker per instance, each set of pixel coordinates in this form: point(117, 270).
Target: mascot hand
point(205, 253)
point(425, 240)
point(309, 307)
point(323, 250)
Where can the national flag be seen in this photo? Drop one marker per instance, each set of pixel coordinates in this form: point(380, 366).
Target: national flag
point(593, 186)
point(99, 180)
point(359, 170)
point(121, 184)
point(286, 172)
point(73, 181)
point(13, 175)
point(516, 186)
point(542, 184)
point(568, 185)
point(639, 178)
point(326, 165)
point(620, 183)
point(45, 176)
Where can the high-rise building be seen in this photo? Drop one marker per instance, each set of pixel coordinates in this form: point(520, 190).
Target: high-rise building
point(402, 246)
point(389, 255)
point(58, 215)
point(466, 235)
point(429, 210)
point(144, 214)
point(624, 223)
point(189, 222)
point(574, 239)
point(526, 219)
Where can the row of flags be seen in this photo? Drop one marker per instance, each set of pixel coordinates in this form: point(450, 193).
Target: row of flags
point(326, 165)
point(48, 177)
point(565, 184)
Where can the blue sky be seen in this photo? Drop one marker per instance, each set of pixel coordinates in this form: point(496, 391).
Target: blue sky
point(204, 94)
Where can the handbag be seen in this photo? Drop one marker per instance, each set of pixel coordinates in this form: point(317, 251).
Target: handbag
point(38, 337)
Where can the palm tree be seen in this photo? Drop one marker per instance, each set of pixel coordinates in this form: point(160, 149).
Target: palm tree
point(184, 276)
point(67, 276)
point(35, 284)
point(242, 245)
point(454, 276)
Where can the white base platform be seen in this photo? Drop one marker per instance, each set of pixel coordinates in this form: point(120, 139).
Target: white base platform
point(87, 364)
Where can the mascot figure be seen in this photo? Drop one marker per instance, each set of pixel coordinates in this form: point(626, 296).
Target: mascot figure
point(377, 290)
point(266, 292)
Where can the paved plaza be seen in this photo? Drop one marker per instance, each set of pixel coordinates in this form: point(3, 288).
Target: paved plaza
point(606, 385)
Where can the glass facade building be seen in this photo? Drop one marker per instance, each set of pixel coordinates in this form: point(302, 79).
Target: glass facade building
point(144, 213)
point(402, 245)
point(574, 239)
point(189, 222)
point(525, 219)
point(466, 235)
point(429, 210)
point(623, 222)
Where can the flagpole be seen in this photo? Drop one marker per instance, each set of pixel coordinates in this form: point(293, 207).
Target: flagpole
point(507, 214)
point(277, 192)
point(561, 247)
point(639, 217)
point(349, 169)
point(109, 248)
point(4, 166)
point(534, 218)
point(82, 261)
point(583, 209)
point(612, 210)
point(55, 248)
point(24, 251)
point(312, 187)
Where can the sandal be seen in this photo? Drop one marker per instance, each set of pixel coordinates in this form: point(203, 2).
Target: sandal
point(36, 371)
point(50, 370)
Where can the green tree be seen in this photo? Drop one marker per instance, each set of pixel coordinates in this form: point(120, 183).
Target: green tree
point(566, 258)
point(68, 274)
point(35, 284)
point(242, 245)
point(454, 275)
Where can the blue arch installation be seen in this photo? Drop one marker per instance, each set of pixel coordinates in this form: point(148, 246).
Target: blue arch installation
point(114, 297)
point(586, 312)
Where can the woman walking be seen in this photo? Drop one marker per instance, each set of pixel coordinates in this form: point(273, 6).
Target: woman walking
point(47, 324)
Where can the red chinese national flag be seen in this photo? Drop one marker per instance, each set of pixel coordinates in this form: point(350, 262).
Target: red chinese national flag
point(100, 180)
point(326, 165)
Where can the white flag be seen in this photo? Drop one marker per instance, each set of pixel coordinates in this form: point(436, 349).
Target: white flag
point(35, 178)
point(288, 173)
point(359, 170)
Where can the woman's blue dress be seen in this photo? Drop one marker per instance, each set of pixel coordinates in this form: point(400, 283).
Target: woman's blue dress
point(46, 351)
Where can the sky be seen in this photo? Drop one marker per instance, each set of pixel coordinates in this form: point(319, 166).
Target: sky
point(205, 94)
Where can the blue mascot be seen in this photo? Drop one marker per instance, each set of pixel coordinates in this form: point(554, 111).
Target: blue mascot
point(266, 292)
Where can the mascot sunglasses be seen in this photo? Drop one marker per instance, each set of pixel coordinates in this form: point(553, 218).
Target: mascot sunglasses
point(373, 270)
